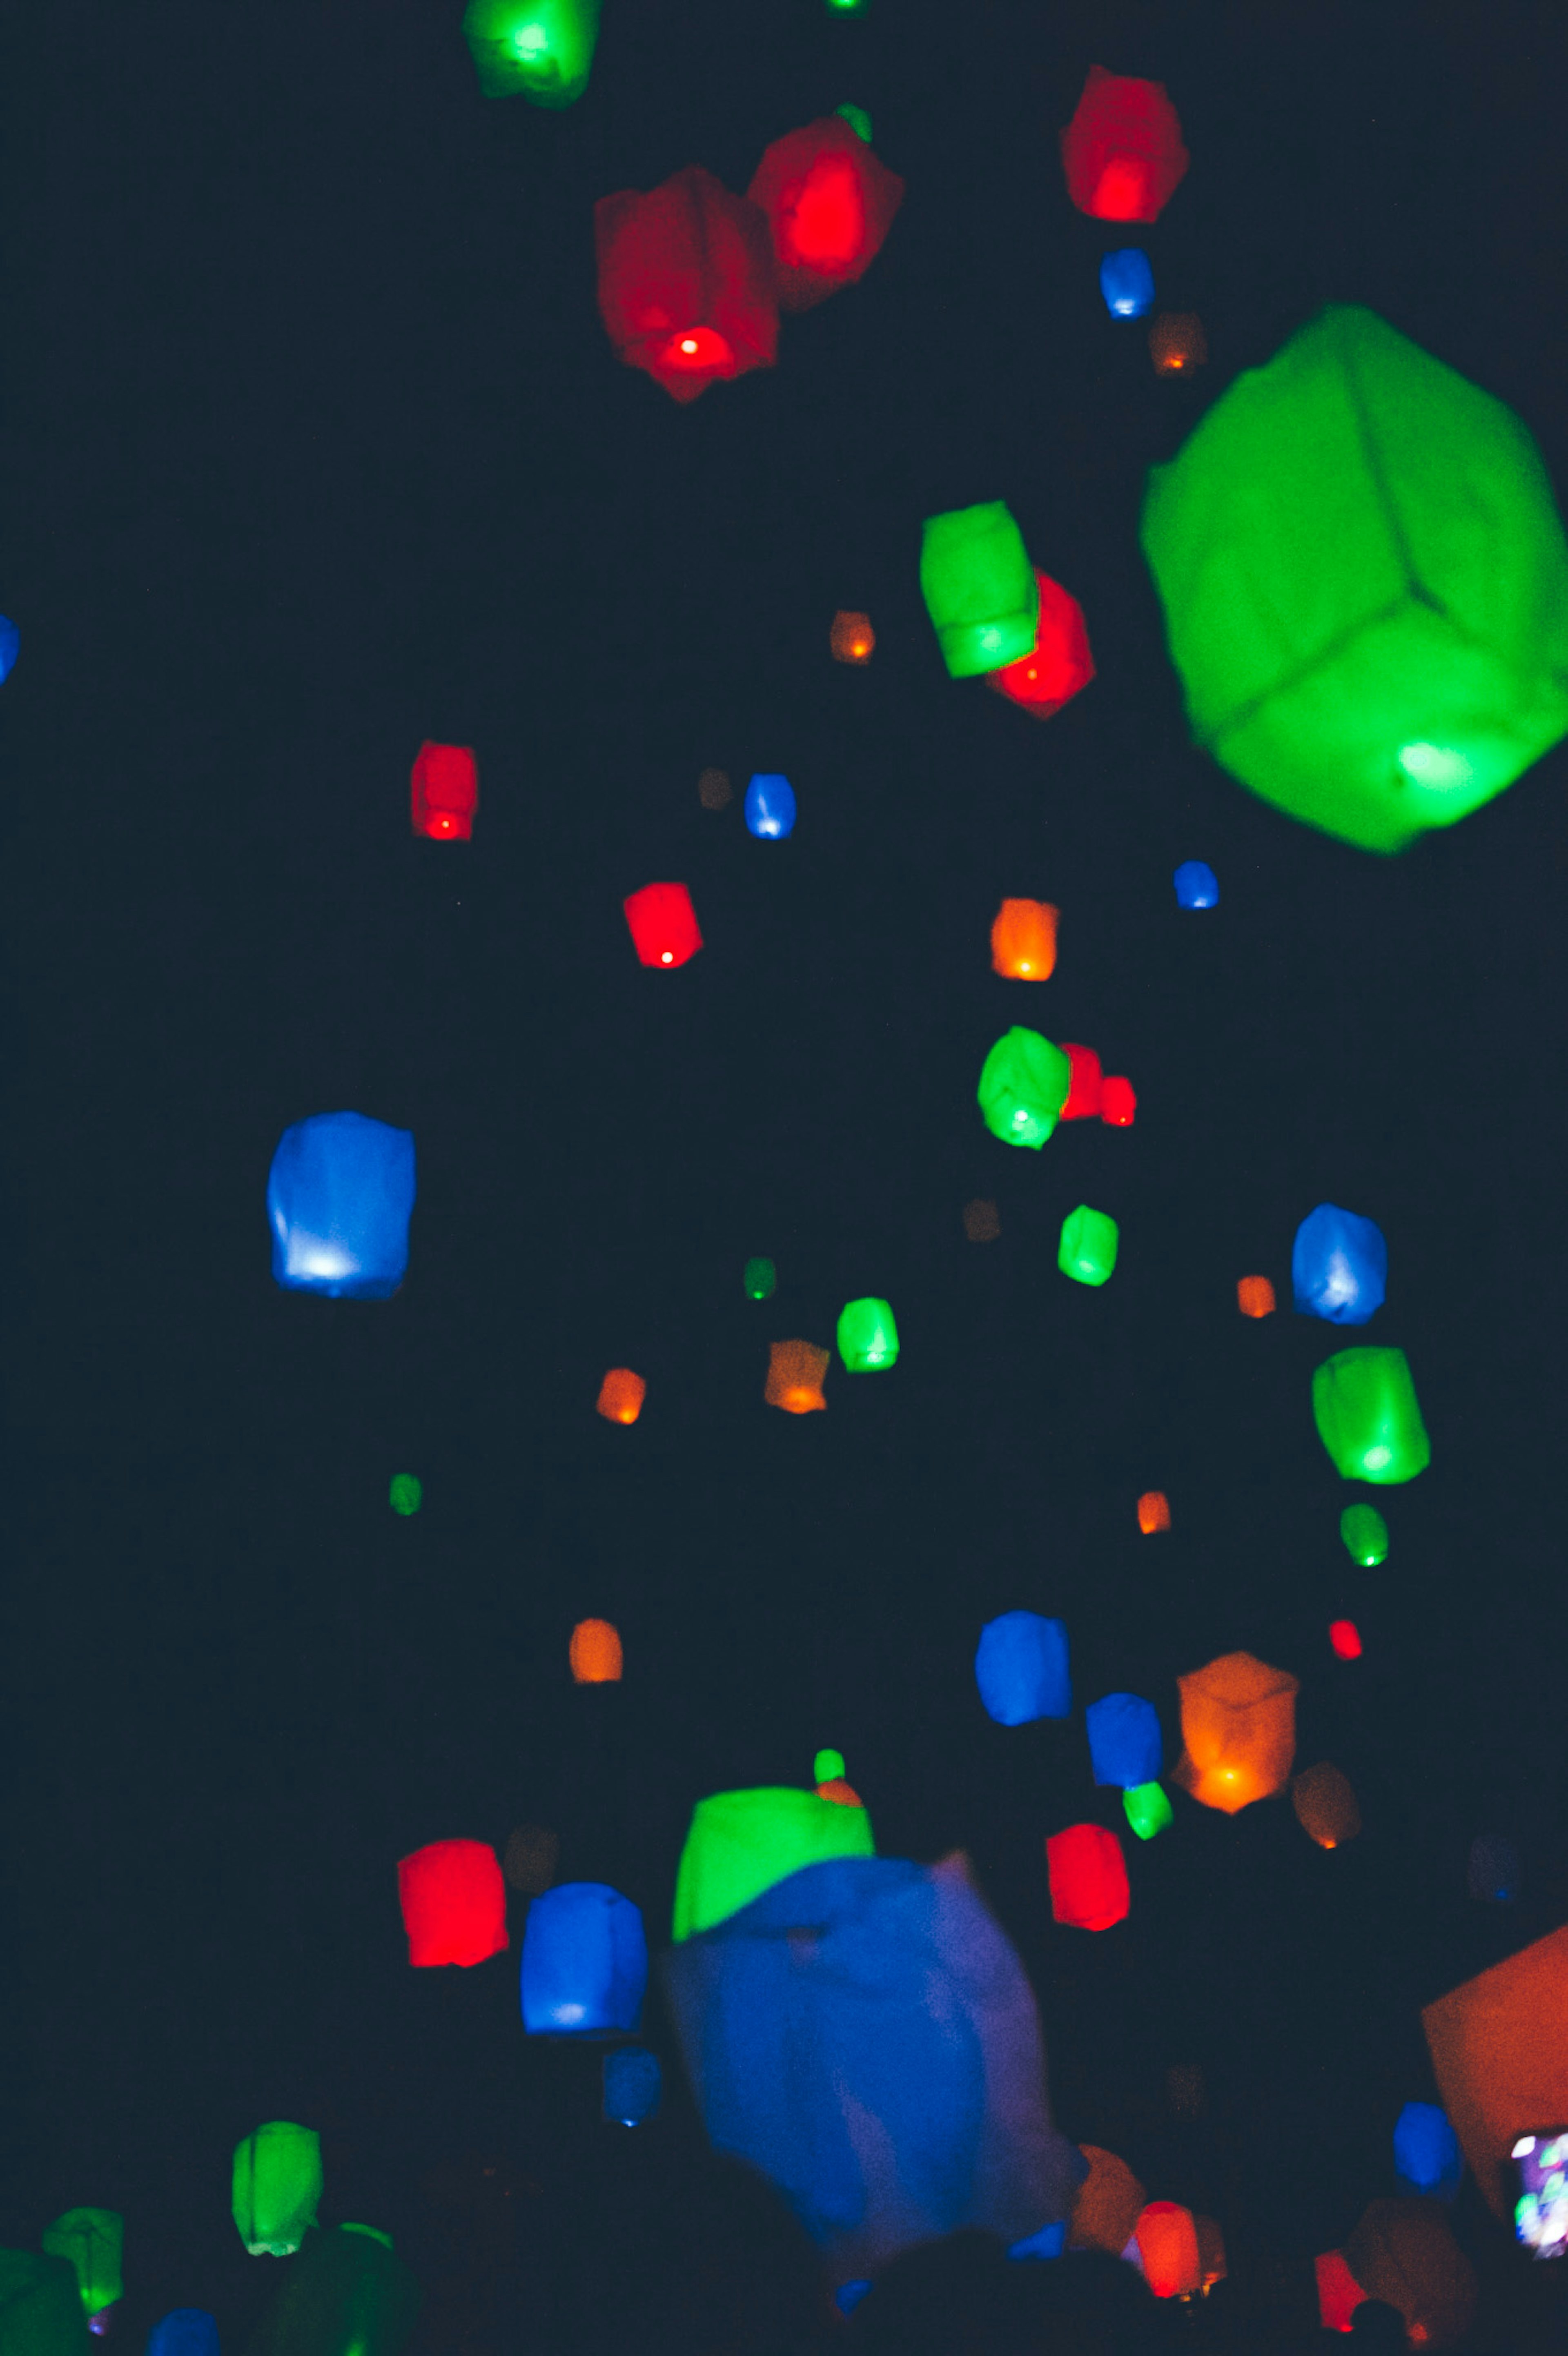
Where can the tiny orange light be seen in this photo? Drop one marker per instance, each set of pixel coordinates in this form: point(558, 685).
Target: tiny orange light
point(1254, 1296)
point(851, 639)
point(621, 1394)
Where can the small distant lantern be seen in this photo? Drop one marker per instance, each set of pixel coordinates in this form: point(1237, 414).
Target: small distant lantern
point(769, 807)
point(633, 2084)
point(584, 1962)
point(795, 1372)
point(1197, 884)
point(1367, 1416)
point(1024, 1085)
point(1185, 2090)
point(685, 282)
point(1086, 1251)
point(715, 790)
point(1110, 2201)
point(594, 1654)
point(277, 2188)
point(530, 1858)
point(1492, 1873)
point(980, 588)
point(10, 647)
point(1166, 2235)
point(867, 1336)
point(340, 1196)
point(1088, 1878)
point(1344, 1638)
point(1426, 2151)
point(406, 1493)
point(1127, 282)
point(445, 792)
point(454, 1903)
point(857, 119)
point(760, 1279)
point(537, 49)
point(1059, 665)
point(1023, 940)
point(1086, 1088)
point(1118, 1102)
point(1338, 2292)
point(1339, 1266)
point(982, 1221)
point(1177, 344)
point(1326, 1805)
point(1153, 1512)
point(841, 1792)
point(1146, 1809)
point(184, 2331)
point(1238, 1723)
point(741, 1843)
point(827, 1766)
point(1212, 2267)
point(621, 1394)
point(1125, 1744)
point(1255, 1296)
point(1365, 1536)
point(93, 2243)
point(1122, 151)
point(662, 923)
point(851, 638)
point(1020, 1669)
point(829, 202)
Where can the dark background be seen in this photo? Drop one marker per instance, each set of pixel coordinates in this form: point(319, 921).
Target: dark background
point(313, 447)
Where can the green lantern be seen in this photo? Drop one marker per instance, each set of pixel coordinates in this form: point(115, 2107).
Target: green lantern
point(760, 1279)
point(867, 1336)
point(347, 2293)
point(1365, 584)
point(1147, 1809)
point(1023, 1084)
point(980, 589)
point(857, 119)
point(92, 2242)
point(827, 1767)
point(40, 2307)
point(1086, 1251)
point(406, 1494)
point(1365, 1535)
point(541, 50)
point(1368, 1418)
point(741, 1843)
point(277, 2188)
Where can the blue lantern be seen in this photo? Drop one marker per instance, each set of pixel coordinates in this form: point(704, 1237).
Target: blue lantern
point(1426, 2151)
point(770, 806)
point(1048, 2242)
point(1493, 1875)
point(1124, 1741)
point(1021, 1668)
point(10, 647)
point(1197, 884)
point(1127, 282)
point(339, 1193)
point(1339, 1266)
point(633, 2084)
point(184, 2331)
point(584, 1962)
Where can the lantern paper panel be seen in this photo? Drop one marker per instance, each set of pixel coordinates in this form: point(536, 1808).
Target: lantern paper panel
point(1023, 1084)
point(1238, 1724)
point(662, 923)
point(1344, 1638)
point(685, 282)
point(1404, 2252)
point(530, 1858)
point(1367, 1416)
point(1021, 1668)
point(1125, 1748)
point(1326, 1805)
point(1122, 151)
point(633, 2085)
point(795, 1373)
point(1197, 884)
point(40, 2307)
point(453, 1898)
point(445, 792)
point(851, 639)
point(1059, 664)
point(980, 588)
point(537, 49)
point(1023, 940)
point(1255, 1296)
point(1365, 1535)
point(1109, 2205)
point(1146, 1809)
point(1118, 1102)
point(621, 1394)
point(184, 2331)
point(1426, 2151)
point(595, 1654)
point(1087, 1247)
point(1338, 2292)
point(347, 2293)
point(740, 1844)
point(93, 2243)
point(1085, 1086)
point(277, 2186)
point(769, 807)
point(1339, 1266)
point(829, 203)
point(1127, 282)
point(341, 1194)
point(1166, 2235)
point(1499, 2059)
point(1088, 1878)
point(867, 1336)
point(584, 1962)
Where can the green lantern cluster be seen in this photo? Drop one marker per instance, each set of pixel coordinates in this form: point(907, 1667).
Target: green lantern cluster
point(1086, 1251)
point(741, 1843)
point(867, 1336)
point(277, 2188)
point(1368, 1418)
point(1365, 584)
point(1023, 1084)
point(1365, 1535)
point(538, 50)
point(980, 588)
point(406, 1494)
point(1147, 1809)
point(92, 2242)
point(760, 1279)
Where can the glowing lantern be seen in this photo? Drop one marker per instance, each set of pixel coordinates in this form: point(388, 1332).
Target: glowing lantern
point(1177, 344)
point(1210, 2253)
point(741, 1843)
point(1153, 1512)
point(184, 2331)
point(1086, 1251)
point(40, 2307)
point(1086, 1087)
point(445, 792)
point(1020, 1669)
point(277, 2188)
point(830, 204)
point(1492, 1873)
point(453, 1903)
point(1346, 1640)
point(542, 49)
point(686, 281)
point(867, 1336)
point(595, 1654)
point(1023, 940)
point(980, 589)
point(1339, 1266)
point(92, 2242)
point(1059, 662)
point(584, 1962)
point(1122, 151)
point(769, 807)
point(841, 1794)
point(1237, 1722)
point(663, 924)
point(530, 1858)
point(621, 1394)
point(1110, 2201)
point(759, 1279)
point(1146, 1809)
point(1426, 2151)
point(1023, 1084)
point(340, 1196)
point(1499, 2059)
point(714, 789)
point(1367, 1416)
point(1118, 1103)
point(1124, 1747)
point(1167, 2234)
point(1326, 1805)
point(1088, 1877)
point(826, 1765)
point(1365, 1535)
point(406, 1493)
point(1403, 2252)
point(1197, 884)
point(1338, 2292)
point(1127, 282)
point(982, 1221)
point(633, 2084)
point(347, 2294)
point(1255, 1296)
point(795, 1372)
point(857, 119)
point(851, 638)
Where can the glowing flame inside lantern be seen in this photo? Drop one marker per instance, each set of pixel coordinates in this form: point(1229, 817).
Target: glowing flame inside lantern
point(824, 228)
point(698, 351)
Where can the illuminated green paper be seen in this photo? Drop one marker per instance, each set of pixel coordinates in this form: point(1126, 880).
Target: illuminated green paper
point(867, 1336)
point(1365, 1535)
point(1368, 1418)
point(92, 2241)
point(980, 588)
point(40, 2307)
point(540, 49)
point(277, 2188)
point(760, 1279)
point(741, 1843)
point(406, 1494)
point(1147, 1809)
point(1023, 1084)
point(1086, 1251)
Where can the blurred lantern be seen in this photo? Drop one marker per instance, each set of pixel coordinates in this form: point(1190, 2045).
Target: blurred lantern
point(714, 789)
point(1500, 2059)
point(741, 1843)
point(760, 1279)
point(1326, 1805)
point(595, 1654)
point(1426, 2151)
point(584, 1962)
point(857, 119)
point(1339, 1266)
point(406, 1494)
point(540, 49)
point(1110, 2201)
point(1125, 1746)
point(1185, 2090)
point(1088, 1877)
point(841, 1793)
point(1122, 151)
point(686, 281)
point(851, 638)
point(1365, 1533)
point(980, 589)
point(1403, 2252)
point(1368, 1417)
point(339, 1195)
point(621, 1394)
point(1238, 1723)
point(827, 1765)
point(663, 924)
point(1021, 1668)
point(184, 2331)
point(1365, 585)
point(10, 647)
point(40, 2307)
point(1492, 1873)
point(1022, 1086)
point(1167, 2234)
point(1059, 662)
point(1211, 2264)
point(1118, 1104)
point(1346, 1639)
point(530, 1858)
point(1197, 884)
point(982, 1221)
point(1127, 282)
point(277, 2188)
point(1048, 2242)
point(1153, 1512)
point(92, 2242)
point(1255, 1296)
point(795, 1372)
point(453, 1903)
point(867, 1336)
point(1177, 344)
point(445, 792)
point(1086, 1086)
point(633, 2084)
point(1023, 940)
point(347, 2293)
point(830, 204)
point(1338, 2292)
point(769, 807)
point(1086, 1251)
point(1146, 1809)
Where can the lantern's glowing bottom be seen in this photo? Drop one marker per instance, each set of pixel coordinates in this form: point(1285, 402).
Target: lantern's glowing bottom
point(699, 350)
point(1435, 765)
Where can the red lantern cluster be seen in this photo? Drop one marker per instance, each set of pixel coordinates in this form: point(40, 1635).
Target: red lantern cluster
point(1060, 663)
point(1122, 151)
point(1088, 1877)
point(445, 792)
point(1093, 1094)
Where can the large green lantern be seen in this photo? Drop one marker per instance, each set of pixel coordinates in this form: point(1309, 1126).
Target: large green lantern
point(1368, 1417)
point(1365, 584)
point(542, 49)
point(277, 2187)
point(1023, 1084)
point(40, 2309)
point(980, 588)
point(741, 1843)
point(92, 2242)
point(867, 1338)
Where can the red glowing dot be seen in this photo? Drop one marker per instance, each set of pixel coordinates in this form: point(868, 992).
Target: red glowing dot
point(1346, 1639)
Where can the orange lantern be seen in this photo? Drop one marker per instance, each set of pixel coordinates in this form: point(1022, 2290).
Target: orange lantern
point(1326, 1805)
point(1255, 1296)
point(1237, 1722)
point(842, 1794)
point(1167, 2244)
point(851, 638)
point(1110, 2201)
point(1403, 2252)
point(982, 1221)
point(1177, 344)
point(621, 1394)
point(1023, 940)
point(1500, 2075)
point(596, 1654)
point(1153, 1512)
point(1210, 2253)
point(795, 1372)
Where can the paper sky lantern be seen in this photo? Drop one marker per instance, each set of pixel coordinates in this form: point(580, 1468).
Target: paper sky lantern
point(445, 792)
point(1153, 1512)
point(1086, 1084)
point(1365, 585)
point(1339, 1266)
point(184, 2331)
point(662, 923)
point(277, 2188)
point(829, 203)
point(841, 1793)
point(453, 1903)
point(40, 2307)
point(1127, 282)
point(851, 638)
point(1326, 1805)
point(1403, 2252)
point(1196, 885)
point(1211, 2262)
point(1365, 1535)
point(347, 2293)
point(1146, 1809)
point(1088, 1877)
point(1122, 151)
point(1500, 2059)
point(1255, 1296)
point(405, 1493)
point(769, 807)
point(1338, 2292)
point(1021, 1668)
point(10, 647)
point(621, 1394)
point(857, 119)
point(1118, 1103)
point(1023, 940)
point(795, 1372)
point(760, 1279)
point(740, 1842)
point(530, 1858)
point(93, 2243)
point(1492, 1873)
point(584, 1962)
point(686, 288)
point(1238, 1723)
point(826, 1765)
point(982, 1221)
point(340, 1196)
point(1426, 2151)
point(1110, 2201)
point(595, 1654)
point(633, 2084)
point(1086, 1250)
point(867, 1336)
point(980, 589)
point(1125, 1746)
point(1166, 2235)
point(1177, 344)
point(1024, 1085)
point(1367, 1416)
point(715, 790)
point(1059, 662)
point(1344, 1638)
point(538, 50)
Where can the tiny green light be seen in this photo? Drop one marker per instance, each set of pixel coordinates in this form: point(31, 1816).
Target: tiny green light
point(827, 1767)
point(1365, 1535)
point(406, 1494)
point(760, 1279)
point(1147, 1809)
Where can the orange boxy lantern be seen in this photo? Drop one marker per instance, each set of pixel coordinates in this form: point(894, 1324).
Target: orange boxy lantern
point(1177, 344)
point(1085, 1089)
point(1167, 2234)
point(1110, 2201)
point(1088, 1877)
point(1042, 681)
point(795, 1372)
point(662, 923)
point(686, 281)
point(1500, 2059)
point(1237, 1722)
point(621, 1394)
point(829, 205)
point(595, 1654)
point(1403, 2252)
point(1122, 151)
point(851, 638)
point(445, 792)
point(1255, 1296)
point(1023, 940)
point(1326, 1805)
point(1153, 1512)
point(453, 1903)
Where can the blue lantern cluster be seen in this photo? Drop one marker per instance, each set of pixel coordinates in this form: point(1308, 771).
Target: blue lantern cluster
point(1339, 1266)
point(1124, 1745)
point(1127, 282)
point(1020, 1669)
point(584, 1962)
point(340, 1196)
point(1197, 884)
point(770, 806)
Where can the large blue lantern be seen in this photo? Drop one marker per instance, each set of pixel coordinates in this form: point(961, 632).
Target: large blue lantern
point(1339, 1266)
point(1021, 1668)
point(184, 2331)
point(339, 1194)
point(584, 1962)
point(1124, 1745)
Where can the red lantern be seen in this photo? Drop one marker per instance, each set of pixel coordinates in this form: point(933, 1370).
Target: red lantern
point(1061, 663)
point(1166, 2235)
point(1346, 1639)
point(1122, 151)
point(453, 1903)
point(663, 924)
point(1088, 1878)
point(446, 792)
point(830, 204)
point(1338, 2292)
point(1084, 1086)
point(686, 281)
point(1118, 1104)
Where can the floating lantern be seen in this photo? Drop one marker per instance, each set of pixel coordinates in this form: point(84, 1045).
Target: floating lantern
point(621, 1394)
point(663, 924)
point(740, 1842)
point(530, 1858)
point(851, 638)
point(1125, 1746)
point(1196, 885)
point(595, 1654)
point(1255, 1296)
point(769, 807)
point(10, 647)
point(584, 1962)
point(1127, 282)
point(445, 792)
point(1426, 2151)
point(759, 1279)
point(857, 119)
point(867, 1336)
point(1367, 1416)
point(537, 49)
point(1122, 151)
point(1326, 1805)
point(347, 2293)
point(1338, 2292)
point(1492, 1873)
point(685, 282)
point(1086, 1251)
point(795, 1373)
point(841, 1793)
point(830, 204)
point(1146, 1809)
point(1403, 2252)
point(277, 2188)
point(454, 1903)
point(980, 589)
point(1346, 1640)
point(40, 2305)
point(1238, 1723)
point(714, 789)
point(1210, 2253)
point(1499, 2059)
point(1020, 1669)
point(1088, 1877)
point(340, 1196)
point(633, 2084)
point(826, 1765)
point(1085, 1086)
point(1024, 1085)
point(93, 2243)
point(1118, 1103)
point(1110, 2201)
point(1365, 1535)
point(405, 1494)
point(982, 1221)
point(1153, 1512)
point(1177, 344)
point(1166, 2235)
point(1023, 940)
point(1339, 1266)
point(1057, 665)
point(184, 2331)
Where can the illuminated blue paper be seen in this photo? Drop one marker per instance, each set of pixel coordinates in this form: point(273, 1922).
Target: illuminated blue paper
point(1426, 2151)
point(584, 1962)
point(770, 806)
point(1020, 1669)
point(1339, 1266)
point(10, 647)
point(1125, 1746)
point(184, 2331)
point(1127, 282)
point(1197, 884)
point(339, 1195)
point(633, 2084)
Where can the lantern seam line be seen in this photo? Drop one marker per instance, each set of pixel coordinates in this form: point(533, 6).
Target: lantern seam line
point(1304, 670)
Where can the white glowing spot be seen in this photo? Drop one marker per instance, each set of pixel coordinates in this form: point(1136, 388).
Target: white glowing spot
point(568, 2015)
point(531, 41)
point(1019, 1119)
point(1434, 765)
point(668, 957)
point(1376, 1458)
